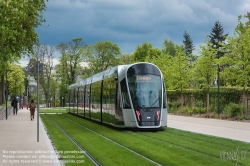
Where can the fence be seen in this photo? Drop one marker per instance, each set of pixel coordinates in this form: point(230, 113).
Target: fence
point(3, 112)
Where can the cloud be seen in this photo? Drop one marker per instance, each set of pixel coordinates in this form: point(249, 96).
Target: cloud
point(132, 22)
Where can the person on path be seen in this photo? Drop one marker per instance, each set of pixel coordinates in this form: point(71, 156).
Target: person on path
point(14, 105)
point(32, 107)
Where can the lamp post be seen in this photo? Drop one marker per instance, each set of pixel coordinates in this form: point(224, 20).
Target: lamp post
point(62, 101)
point(55, 100)
point(218, 84)
point(6, 97)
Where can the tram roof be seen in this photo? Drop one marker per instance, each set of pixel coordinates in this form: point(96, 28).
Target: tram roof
point(102, 75)
point(97, 77)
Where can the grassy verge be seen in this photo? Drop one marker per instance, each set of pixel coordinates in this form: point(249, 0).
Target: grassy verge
point(168, 147)
point(53, 110)
point(64, 146)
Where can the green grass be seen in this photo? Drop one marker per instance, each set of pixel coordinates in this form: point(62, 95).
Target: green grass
point(52, 110)
point(106, 152)
point(64, 145)
point(168, 147)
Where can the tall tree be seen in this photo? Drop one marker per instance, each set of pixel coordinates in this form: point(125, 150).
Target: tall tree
point(188, 45)
point(205, 69)
point(180, 72)
point(44, 54)
point(71, 56)
point(238, 58)
point(69, 68)
point(145, 53)
point(126, 58)
point(169, 48)
point(217, 38)
point(102, 55)
point(164, 63)
point(16, 80)
point(18, 20)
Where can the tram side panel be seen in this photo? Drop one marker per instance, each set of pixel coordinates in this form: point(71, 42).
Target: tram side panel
point(111, 111)
point(81, 101)
point(95, 109)
point(128, 113)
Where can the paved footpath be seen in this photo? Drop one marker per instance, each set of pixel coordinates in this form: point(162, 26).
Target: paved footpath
point(220, 128)
point(19, 144)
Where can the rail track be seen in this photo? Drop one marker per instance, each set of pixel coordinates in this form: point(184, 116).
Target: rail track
point(106, 138)
point(138, 144)
point(75, 142)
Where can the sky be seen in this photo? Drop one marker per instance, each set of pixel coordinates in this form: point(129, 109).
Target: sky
point(129, 23)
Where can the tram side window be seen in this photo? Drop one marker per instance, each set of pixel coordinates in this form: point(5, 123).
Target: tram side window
point(124, 93)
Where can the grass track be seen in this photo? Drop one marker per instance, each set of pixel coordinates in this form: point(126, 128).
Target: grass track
point(106, 152)
point(64, 145)
point(168, 147)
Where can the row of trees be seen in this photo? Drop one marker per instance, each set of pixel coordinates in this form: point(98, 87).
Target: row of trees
point(18, 20)
point(181, 68)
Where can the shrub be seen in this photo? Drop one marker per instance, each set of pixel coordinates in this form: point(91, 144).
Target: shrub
point(173, 106)
point(233, 110)
point(199, 104)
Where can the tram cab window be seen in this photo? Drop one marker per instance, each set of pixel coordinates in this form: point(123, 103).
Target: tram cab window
point(145, 90)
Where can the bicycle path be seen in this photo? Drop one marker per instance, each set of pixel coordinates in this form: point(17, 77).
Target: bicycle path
point(221, 128)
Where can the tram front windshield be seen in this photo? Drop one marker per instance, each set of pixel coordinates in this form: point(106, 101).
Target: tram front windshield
point(145, 90)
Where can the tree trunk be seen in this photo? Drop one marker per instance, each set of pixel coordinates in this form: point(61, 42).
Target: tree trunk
point(182, 100)
point(207, 102)
point(2, 90)
point(245, 101)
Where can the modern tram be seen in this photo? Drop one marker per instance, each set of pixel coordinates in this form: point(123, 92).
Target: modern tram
point(126, 96)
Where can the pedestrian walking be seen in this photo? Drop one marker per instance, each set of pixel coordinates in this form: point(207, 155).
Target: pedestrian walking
point(14, 103)
point(32, 109)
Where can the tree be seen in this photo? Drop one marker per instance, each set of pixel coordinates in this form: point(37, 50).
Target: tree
point(18, 20)
point(237, 57)
point(102, 55)
point(188, 46)
point(164, 63)
point(72, 55)
point(217, 38)
point(169, 48)
point(44, 54)
point(206, 67)
point(126, 58)
point(16, 80)
point(180, 73)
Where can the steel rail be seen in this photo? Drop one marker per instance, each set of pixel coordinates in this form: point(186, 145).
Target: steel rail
point(114, 142)
point(75, 142)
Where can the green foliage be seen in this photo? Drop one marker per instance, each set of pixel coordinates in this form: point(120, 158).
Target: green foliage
point(102, 55)
point(205, 69)
point(16, 80)
point(197, 98)
point(169, 48)
point(145, 53)
point(126, 58)
point(188, 44)
point(217, 38)
point(18, 20)
point(173, 106)
point(233, 110)
point(72, 54)
point(164, 63)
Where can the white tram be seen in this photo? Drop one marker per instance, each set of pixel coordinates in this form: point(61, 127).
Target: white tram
point(130, 96)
